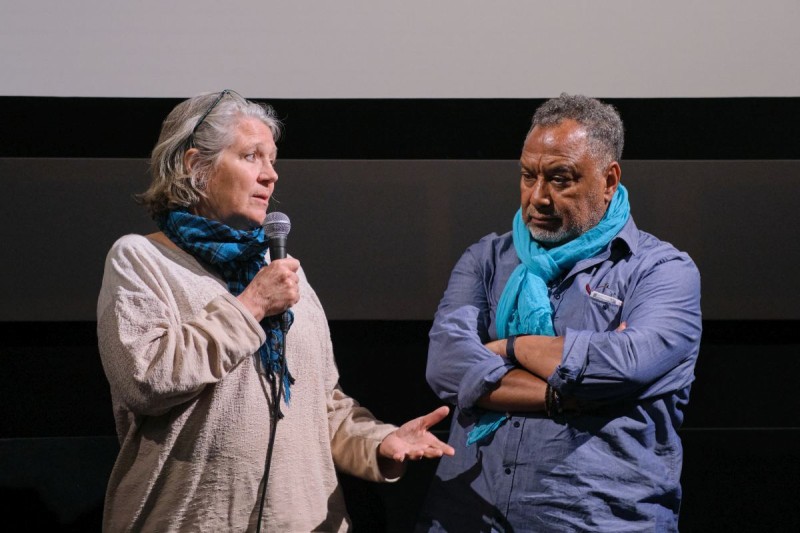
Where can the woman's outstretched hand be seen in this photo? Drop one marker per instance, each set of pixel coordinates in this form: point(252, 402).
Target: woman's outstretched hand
point(413, 441)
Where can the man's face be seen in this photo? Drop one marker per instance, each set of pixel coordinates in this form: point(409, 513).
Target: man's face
point(565, 188)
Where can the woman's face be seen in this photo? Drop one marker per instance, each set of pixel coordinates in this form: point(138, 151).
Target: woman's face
point(239, 190)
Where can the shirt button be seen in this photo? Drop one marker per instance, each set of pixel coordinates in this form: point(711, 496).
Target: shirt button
point(508, 470)
point(557, 296)
point(516, 424)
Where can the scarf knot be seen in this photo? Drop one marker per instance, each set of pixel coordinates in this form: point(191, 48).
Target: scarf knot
point(237, 255)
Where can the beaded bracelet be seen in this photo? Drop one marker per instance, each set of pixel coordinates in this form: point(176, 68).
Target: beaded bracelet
point(557, 402)
point(552, 402)
point(547, 400)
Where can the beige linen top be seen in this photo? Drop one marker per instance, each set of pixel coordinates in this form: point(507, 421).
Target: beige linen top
point(191, 407)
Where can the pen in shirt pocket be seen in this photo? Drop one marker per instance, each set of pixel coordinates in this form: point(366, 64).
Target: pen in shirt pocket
point(600, 297)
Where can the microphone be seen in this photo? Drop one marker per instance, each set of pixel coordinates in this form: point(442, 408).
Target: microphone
point(276, 227)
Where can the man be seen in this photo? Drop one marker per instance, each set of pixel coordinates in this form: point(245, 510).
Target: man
point(568, 347)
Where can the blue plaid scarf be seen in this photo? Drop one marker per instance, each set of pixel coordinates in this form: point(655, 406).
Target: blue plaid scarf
point(524, 306)
point(237, 256)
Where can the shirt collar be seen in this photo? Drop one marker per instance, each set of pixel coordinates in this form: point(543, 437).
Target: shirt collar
point(628, 236)
point(627, 239)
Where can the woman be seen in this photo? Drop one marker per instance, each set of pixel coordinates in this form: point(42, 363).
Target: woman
point(192, 356)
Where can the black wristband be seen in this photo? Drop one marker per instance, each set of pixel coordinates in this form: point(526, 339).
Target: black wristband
point(510, 355)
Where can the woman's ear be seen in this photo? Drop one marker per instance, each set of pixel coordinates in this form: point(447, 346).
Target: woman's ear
point(189, 158)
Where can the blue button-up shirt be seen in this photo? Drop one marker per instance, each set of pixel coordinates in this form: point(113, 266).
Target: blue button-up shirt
point(615, 466)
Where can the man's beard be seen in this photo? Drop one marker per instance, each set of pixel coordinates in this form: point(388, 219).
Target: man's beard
point(552, 238)
point(564, 234)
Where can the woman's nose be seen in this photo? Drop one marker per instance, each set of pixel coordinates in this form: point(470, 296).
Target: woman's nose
point(268, 173)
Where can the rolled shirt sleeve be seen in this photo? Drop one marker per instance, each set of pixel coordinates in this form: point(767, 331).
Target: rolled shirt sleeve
point(460, 368)
point(656, 352)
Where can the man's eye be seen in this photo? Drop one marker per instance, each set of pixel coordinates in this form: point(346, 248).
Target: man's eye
point(250, 157)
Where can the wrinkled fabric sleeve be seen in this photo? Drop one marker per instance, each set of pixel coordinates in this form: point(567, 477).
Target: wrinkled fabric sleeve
point(152, 359)
point(460, 368)
point(654, 355)
point(355, 433)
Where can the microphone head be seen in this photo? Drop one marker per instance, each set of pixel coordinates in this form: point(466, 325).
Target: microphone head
point(276, 225)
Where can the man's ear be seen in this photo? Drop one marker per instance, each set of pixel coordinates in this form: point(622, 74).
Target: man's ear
point(188, 159)
point(613, 175)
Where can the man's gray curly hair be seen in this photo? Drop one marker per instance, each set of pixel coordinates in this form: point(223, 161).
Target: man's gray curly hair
point(602, 122)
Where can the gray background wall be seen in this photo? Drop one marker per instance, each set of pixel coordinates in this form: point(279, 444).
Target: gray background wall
point(378, 238)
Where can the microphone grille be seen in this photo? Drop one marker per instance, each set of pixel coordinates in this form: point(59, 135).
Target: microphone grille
point(277, 225)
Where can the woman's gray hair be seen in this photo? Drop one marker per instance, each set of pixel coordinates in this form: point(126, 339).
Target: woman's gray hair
point(173, 186)
point(602, 122)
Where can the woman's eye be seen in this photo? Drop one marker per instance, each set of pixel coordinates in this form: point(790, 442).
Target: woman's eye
point(250, 157)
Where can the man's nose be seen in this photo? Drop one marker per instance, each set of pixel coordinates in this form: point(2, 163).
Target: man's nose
point(540, 195)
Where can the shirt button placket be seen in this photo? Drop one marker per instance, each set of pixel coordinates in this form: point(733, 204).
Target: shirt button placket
point(509, 461)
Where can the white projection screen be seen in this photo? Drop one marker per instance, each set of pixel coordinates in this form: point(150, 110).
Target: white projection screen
point(410, 49)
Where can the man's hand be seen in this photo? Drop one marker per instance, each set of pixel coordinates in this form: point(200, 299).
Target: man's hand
point(498, 347)
point(412, 441)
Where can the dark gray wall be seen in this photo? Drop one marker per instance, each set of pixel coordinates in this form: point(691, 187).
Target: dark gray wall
point(378, 238)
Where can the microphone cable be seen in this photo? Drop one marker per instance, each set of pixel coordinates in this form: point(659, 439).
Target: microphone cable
point(275, 416)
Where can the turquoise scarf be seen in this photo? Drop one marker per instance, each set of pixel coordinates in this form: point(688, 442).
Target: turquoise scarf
point(524, 307)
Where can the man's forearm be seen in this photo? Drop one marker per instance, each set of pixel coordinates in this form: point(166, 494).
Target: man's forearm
point(539, 354)
point(517, 391)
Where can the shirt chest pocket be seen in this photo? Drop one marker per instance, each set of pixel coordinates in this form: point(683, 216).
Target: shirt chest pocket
point(584, 306)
